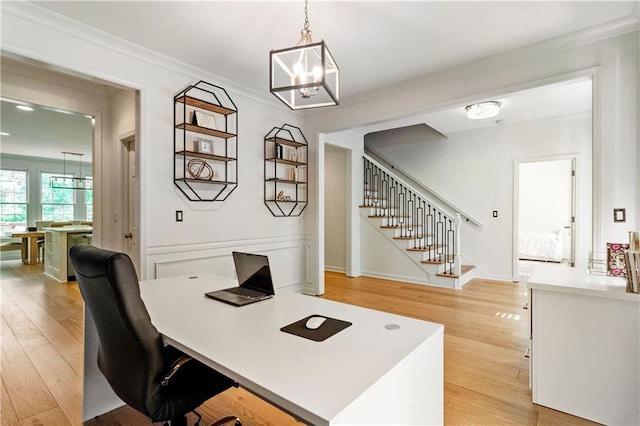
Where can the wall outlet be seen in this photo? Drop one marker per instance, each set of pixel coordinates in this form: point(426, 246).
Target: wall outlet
point(178, 215)
point(495, 213)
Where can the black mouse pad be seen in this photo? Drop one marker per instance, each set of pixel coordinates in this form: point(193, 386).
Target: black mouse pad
point(328, 328)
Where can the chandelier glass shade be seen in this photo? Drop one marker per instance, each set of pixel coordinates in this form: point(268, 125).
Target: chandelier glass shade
point(483, 110)
point(305, 75)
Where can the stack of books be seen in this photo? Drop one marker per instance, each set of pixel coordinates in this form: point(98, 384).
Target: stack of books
point(632, 262)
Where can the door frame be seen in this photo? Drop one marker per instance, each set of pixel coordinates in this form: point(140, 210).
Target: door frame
point(577, 222)
point(130, 196)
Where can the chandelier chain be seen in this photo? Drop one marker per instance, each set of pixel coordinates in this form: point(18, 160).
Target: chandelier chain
point(306, 15)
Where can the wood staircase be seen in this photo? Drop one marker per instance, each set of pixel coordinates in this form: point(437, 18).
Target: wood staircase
point(425, 233)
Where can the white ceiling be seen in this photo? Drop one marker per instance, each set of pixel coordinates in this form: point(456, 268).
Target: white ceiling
point(45, 132)
point(375, 43)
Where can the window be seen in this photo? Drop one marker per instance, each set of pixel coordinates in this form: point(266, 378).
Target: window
point(88, 203)
point(13, 200)
point(58, 204)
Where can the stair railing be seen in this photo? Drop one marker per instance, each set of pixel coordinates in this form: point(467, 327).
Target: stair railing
point(427, 228)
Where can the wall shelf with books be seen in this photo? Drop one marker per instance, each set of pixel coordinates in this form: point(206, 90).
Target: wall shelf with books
point(285, 171)
point(205, 142)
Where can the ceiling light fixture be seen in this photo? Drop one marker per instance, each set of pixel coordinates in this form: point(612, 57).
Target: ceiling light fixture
point(71, 182)
point(306, 75)
point(483, 110)
point(24, 107)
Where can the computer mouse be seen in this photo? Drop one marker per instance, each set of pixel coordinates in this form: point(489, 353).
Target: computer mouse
point(315, 322)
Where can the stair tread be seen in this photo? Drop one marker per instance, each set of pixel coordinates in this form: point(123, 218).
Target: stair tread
point(424, 249)
point(444, 275)
point(467, 268)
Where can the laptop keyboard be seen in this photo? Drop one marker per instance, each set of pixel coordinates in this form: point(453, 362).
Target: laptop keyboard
point(247, 292)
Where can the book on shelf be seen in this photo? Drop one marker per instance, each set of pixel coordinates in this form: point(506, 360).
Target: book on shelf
point(632, 262)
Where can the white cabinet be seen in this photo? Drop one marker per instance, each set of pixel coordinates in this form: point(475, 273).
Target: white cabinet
point(57, 242)
point(585, 347)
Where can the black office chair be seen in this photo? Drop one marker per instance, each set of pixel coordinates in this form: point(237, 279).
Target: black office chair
point(159, 381)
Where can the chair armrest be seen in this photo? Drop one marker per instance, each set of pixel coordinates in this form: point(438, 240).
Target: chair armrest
point(174, 369)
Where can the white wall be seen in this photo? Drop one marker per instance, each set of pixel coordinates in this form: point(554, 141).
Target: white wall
point(209, 230)
point(614, 63)
point(335, 184)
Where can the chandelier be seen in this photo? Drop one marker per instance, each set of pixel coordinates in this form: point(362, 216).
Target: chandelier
point(66, 181)
point(306, 75)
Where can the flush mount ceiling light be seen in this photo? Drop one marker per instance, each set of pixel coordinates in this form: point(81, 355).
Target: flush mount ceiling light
point(483, 110)
point(306, 75)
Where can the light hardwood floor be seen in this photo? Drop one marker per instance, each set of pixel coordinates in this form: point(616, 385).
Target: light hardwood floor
point(486, 375)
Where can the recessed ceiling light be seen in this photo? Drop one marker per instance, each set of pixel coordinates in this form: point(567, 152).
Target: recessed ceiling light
point(483, 110)
point(5, 134)
point(24, 107)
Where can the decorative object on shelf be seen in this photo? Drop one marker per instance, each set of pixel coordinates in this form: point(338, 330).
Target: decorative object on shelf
point(306, 75)
point(200, 169)
point(203, 120)
point(615, 259)
point(204, 146)
point(279, 150)
point(282, 197)
point(293, 174)
point(71, 182)
point(483, 110)
point(285, 175)
point(204, 109)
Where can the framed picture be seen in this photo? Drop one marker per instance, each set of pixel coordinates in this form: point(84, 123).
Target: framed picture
point(616, 265)
point(204, 146)
point(203, 120)
point(619, 215)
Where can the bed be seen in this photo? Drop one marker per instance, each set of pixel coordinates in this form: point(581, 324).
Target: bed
point(540, 246)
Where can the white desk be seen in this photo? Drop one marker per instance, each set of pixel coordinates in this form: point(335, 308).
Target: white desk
point(365, 374)
point(585, 348)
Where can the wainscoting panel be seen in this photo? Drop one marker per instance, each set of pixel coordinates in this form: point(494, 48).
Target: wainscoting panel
point(285, 259)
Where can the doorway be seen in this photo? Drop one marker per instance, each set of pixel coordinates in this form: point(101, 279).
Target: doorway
point(546, 213)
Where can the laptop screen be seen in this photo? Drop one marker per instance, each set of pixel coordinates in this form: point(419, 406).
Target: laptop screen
point(253, 271)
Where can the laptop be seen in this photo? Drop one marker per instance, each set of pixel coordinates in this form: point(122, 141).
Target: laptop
point(254, 277)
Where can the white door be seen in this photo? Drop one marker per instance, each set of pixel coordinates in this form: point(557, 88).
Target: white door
point(546, 217)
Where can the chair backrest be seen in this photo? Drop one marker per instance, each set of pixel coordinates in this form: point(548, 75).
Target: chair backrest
point(43, 224)
point(130, 348)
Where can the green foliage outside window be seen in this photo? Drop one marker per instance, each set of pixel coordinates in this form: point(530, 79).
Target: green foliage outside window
point(13, 200)
point(57, 203)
